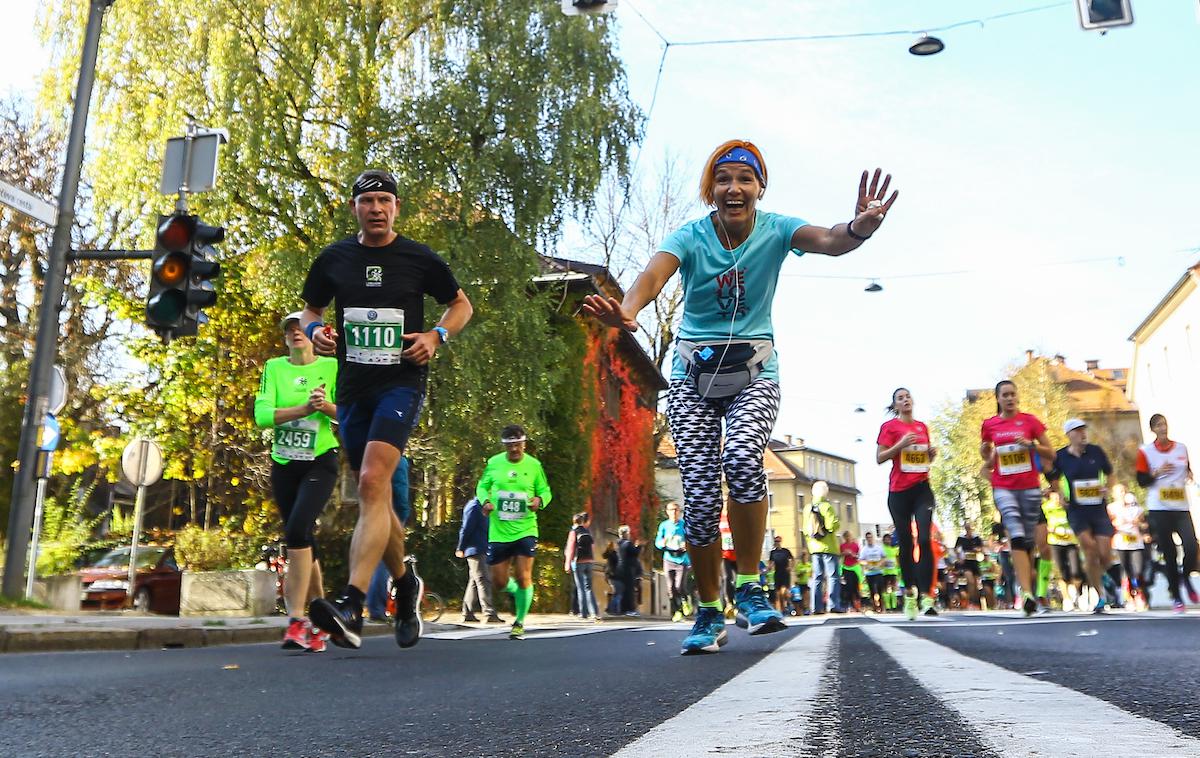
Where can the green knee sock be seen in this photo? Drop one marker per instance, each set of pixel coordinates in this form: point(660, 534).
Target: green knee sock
point(1044, 568)
point(712, 604)
point(524, 599)
point(745, 579)
point(891, 599)
point(511, 587)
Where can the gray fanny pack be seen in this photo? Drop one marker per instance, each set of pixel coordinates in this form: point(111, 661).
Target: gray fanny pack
point(721, 369)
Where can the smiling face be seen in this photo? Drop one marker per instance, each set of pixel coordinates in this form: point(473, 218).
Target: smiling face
point(375, 212)
point(735, 190)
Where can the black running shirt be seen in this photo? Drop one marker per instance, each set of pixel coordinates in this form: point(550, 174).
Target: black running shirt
point(380, 294)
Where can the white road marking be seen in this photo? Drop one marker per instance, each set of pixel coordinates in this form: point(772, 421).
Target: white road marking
point(778, 690)
point(1021, 716)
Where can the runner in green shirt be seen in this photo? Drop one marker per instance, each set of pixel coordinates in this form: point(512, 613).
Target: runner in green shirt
point(512, 490)
point(296, 401)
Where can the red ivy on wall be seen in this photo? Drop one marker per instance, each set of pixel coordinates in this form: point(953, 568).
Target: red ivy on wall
point(622, 447)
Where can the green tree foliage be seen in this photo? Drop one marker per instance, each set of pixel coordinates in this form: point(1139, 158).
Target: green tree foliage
point(498, 118)
point(32, 158)
point(959, 483)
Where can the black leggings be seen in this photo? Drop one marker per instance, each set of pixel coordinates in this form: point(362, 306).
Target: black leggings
point(1164, 525)
point(1069, 565)
point(1133, 563)
point(301, 490)
point(916, 502)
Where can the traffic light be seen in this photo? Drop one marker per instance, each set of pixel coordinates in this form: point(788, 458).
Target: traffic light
point(167, 298)
point(588, 7)
point(181, 275)
point(203, 269)
point(1102, 14)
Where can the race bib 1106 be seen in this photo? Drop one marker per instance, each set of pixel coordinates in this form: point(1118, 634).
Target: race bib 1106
point(1013, 459)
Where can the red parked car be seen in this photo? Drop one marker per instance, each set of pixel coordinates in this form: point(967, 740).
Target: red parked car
point(156, 588)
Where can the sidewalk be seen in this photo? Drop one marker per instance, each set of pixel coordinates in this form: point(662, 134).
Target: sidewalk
point(42, 632)
point(39, 632)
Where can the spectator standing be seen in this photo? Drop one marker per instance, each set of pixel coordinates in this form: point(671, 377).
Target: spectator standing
point(628, 570)
point(578, 559)
point(821, 525)
point(472, 545)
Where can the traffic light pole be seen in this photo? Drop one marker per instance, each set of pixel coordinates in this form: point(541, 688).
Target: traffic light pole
point(46, 346)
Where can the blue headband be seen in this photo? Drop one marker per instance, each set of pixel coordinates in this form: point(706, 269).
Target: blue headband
point(742, 155)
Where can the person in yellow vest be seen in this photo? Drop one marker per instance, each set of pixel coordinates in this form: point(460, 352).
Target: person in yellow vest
point(821, 526)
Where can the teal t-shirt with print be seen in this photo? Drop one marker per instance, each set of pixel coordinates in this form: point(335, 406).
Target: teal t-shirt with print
point(724, 288)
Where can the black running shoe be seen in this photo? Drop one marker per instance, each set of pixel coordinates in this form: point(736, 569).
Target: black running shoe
point(341, 619)
point(1030, 606)
point(408, 592)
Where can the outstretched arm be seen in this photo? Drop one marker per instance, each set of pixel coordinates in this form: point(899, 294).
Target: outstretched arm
point(869, 213)
point(649, 283)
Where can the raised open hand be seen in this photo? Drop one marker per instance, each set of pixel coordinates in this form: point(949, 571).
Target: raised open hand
point(871, 207)
point(607, 310)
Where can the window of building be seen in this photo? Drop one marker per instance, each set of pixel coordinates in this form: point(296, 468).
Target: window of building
point(770, 501)
point(800, 502)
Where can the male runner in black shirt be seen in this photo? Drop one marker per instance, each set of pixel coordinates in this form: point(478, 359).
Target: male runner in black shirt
point(379, 280)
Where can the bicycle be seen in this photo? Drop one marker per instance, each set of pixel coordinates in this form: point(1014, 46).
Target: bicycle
point(432, 606)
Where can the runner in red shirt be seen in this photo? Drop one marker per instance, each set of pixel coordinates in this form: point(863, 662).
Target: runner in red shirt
point(1010, 441)
point(905, 442)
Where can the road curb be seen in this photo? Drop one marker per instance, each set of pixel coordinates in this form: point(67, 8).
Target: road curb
point(60, 639)
point(49, 640)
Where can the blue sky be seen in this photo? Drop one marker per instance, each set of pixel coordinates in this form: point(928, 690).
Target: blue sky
point(1027, 142)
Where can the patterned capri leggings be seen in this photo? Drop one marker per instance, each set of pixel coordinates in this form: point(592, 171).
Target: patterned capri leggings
point(696, 428)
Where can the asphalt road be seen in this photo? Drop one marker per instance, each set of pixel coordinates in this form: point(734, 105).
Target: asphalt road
point(832, 689)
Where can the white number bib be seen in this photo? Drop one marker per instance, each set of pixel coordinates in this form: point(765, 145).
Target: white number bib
point(914, 459)
point(512, 506)
point(374, 335)
point(1013, 459)
point(1087, 492)
point(296, 440)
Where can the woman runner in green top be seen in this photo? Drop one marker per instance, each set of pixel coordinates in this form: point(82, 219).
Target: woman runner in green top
point(295, 400)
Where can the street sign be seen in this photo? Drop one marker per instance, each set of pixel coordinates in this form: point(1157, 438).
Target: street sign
point(58, 391)
point(142, 462)
point(51, 434)
point(28, 203)
point(199, 169)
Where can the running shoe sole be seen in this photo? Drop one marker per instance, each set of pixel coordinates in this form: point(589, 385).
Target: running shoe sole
point(715, 647)
point(767, 627)
point(292, 645)
point(1030, 607)
point(324, 614)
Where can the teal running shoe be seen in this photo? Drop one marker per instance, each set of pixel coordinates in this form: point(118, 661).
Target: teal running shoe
point(754, 611)
point(708, 633)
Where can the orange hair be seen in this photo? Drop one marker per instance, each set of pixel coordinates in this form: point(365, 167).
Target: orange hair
point(710, 167)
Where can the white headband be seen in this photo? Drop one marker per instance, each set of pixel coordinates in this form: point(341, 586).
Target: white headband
point(511, 440)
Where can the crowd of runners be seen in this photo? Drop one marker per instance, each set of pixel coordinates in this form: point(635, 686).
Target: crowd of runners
point(365, 373)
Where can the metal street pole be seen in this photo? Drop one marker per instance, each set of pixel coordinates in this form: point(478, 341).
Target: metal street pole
point(46, 346)
point(138, 507)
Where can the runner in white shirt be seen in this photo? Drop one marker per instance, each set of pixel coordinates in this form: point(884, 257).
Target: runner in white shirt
point(1164, 469)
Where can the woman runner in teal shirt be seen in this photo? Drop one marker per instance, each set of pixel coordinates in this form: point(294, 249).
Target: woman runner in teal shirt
point(725, 367)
